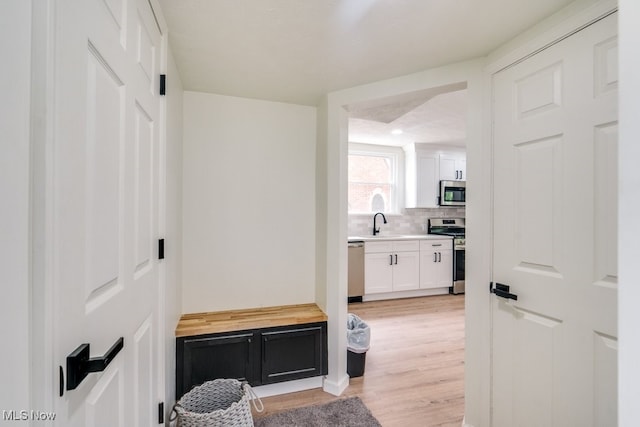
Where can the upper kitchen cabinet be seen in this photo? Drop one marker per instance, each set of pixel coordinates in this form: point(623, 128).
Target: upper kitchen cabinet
point(453, 166)
point(422, 176)
point(425, 166)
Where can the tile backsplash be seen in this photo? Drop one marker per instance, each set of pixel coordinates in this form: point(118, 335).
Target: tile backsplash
point(410, 221)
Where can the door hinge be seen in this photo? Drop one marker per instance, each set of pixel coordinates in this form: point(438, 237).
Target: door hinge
point(161, 249)
point(161, 413)
point(163, 84)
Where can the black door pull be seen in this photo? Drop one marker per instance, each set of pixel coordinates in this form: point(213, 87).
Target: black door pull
point(502, 291)
point(79, 365)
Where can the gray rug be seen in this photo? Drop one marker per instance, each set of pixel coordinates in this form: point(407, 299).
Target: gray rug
point(349, 412)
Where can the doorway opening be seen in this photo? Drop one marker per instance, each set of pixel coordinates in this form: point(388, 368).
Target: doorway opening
point(406, 323)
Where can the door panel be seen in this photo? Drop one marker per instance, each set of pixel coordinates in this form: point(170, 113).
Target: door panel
point(143, 374)
point(104, 197)
point(605, 387)
point(104, 135)
point(144, 179)
point(105, 403)
point(537, 184)
point(555, 196)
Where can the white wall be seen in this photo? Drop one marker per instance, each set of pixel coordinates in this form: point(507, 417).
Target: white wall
point(173, 225)
point(249, 218)
point(15, 46)
point(629, 212)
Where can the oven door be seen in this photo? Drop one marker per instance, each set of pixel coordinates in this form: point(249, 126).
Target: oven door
point(452, 193)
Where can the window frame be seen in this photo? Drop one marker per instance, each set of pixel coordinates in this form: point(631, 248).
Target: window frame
point(396, 156)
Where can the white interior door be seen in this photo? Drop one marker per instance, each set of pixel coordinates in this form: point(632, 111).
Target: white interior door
point(104, 197)
point(554, 349)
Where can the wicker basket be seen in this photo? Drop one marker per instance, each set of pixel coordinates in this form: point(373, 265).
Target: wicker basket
point(217, 403)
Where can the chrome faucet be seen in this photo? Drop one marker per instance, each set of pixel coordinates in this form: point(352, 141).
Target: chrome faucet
point(377, 230)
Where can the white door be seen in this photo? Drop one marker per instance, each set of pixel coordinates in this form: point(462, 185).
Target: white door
point(554, 349)
point(104, 200)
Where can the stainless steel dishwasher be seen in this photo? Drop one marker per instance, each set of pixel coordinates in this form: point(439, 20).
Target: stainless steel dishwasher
point(356, 271)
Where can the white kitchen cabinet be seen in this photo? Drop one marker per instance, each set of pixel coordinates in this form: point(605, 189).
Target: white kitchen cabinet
point(391, 266)
point(453, 167)
point(422, 179)
point(425, 166)
point(436, 263)
point(378, 273)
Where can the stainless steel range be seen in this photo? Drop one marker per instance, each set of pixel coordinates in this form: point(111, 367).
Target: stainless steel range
point(452, 227)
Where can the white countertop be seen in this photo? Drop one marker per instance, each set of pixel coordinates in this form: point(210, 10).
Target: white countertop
point(378, 237)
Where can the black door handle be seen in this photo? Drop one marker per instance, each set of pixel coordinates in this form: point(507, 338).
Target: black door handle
point(502, 291)
point(79, 365)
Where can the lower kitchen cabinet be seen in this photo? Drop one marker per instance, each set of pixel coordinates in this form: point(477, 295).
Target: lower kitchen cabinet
point(378, 273)
point(391, 266)
point(436, 263)
point(258, 356)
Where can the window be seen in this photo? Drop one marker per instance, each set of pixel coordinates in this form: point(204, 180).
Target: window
point(373, 180)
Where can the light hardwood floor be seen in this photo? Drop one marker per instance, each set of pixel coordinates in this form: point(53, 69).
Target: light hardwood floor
point(414, 372)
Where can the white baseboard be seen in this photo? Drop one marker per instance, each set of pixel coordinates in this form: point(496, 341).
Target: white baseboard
point(405, 294)
point(288, 387)
point(336, 388)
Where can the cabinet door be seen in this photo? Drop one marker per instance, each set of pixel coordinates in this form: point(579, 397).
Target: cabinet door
point(448, 169)
point(406, 271)
point(428, 274)
point(378, 273)
point(203, 358)
point(292, 354)
point(428, 183)
point(453, 167)
point(444, 269)
point(461, 166)
point(436, 264)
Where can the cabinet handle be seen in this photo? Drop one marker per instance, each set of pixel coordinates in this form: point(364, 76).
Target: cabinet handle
point(435, 257)
point(439, 256)
point(390, 259)
point(457, 174)
point(396, 259)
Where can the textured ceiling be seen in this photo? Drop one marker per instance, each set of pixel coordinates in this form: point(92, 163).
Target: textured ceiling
point(438, 118)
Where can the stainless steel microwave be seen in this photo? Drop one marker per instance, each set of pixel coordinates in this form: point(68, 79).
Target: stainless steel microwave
point(452, 193)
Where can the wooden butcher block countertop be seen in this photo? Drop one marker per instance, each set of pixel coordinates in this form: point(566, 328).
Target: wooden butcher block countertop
point(256, 318)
